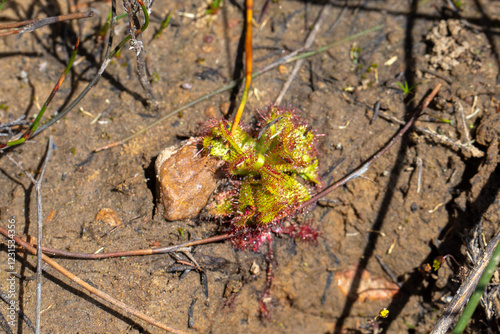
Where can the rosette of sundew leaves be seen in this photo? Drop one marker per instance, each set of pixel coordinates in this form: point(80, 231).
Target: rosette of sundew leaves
point(273, 168)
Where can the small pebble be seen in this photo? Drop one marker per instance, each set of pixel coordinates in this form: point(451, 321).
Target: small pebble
point(210, 112)
point(232, 287)
point(207, 48)
point(414, 207)
point(224, 107)
point(187, 86)
point(255, 268)
point(43, 66)
point(108, 216)
point(23, 75)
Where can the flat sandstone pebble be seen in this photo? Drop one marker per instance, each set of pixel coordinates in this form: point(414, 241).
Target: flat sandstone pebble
point(185, 180)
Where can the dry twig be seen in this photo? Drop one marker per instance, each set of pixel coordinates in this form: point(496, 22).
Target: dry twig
point(39, 212)
point(137, 252)
point(32, 25)
point(472, 150)
point(458, 107)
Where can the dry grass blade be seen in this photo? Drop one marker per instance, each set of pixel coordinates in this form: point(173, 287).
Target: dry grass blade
point(34, 126)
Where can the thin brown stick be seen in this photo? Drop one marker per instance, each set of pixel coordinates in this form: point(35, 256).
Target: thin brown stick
point(137, 252)
point(32, 25)
point(59, 18)
point(364, 167)
point(90, 288)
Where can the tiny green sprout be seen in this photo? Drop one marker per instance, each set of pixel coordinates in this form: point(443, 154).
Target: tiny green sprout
point(442, 120)
point(181, 232)
point(272, 168)
point(405, 88)
point(438, 261)
point(459, 4)
point(155, 77)
point(355, 53)
point(73, 151)
point(103, 31)
point(371, 67)
point(213, 7)
point(163, 25)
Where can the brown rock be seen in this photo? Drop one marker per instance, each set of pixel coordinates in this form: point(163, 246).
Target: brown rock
point(224, 108)
point(282, 69)
point(210, 112)
point(108, 216)
point(185, 180)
